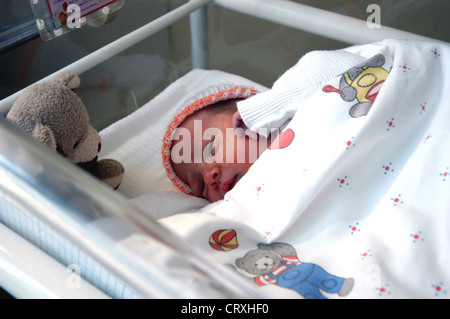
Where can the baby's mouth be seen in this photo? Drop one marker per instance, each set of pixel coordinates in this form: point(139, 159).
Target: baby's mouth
point(228, 185)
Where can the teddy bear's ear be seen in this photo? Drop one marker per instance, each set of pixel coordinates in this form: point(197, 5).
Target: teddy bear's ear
point(44, 135)
point(67, 78)
point(240, 262)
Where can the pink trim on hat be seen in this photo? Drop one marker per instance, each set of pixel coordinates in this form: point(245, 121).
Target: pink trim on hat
point(223, 95)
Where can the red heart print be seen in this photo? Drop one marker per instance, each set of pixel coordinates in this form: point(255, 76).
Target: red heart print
point(283, 140)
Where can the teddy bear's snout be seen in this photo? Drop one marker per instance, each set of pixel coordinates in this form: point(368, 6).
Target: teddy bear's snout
point(88, 148)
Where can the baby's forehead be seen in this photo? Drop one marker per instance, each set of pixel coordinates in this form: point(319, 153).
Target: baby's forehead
point(191, 129)
point(206, 118)
point(202, 114)
point(210, 113)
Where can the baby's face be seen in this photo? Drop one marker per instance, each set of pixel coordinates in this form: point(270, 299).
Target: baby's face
point(207, 154)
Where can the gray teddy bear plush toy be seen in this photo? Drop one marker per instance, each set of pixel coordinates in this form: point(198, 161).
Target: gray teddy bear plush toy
point(54, 115)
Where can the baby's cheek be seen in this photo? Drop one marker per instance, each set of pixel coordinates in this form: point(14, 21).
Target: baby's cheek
point(241, 149)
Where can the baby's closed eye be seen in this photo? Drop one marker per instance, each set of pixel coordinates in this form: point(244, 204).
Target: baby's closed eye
point(210, 151)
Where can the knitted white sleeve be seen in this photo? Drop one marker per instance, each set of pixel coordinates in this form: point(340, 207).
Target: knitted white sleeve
point(273, 108)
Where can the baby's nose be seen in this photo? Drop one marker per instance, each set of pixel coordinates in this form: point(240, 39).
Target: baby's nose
point(211, 175)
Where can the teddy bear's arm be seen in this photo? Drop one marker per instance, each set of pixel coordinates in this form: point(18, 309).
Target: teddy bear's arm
point(45, 135)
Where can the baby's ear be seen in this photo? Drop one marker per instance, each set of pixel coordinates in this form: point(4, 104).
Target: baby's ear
point(44, 135)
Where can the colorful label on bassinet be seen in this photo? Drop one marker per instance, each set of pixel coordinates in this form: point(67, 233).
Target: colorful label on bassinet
point(59, 9)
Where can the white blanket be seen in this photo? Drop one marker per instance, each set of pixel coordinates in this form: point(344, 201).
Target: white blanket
point(354, 207)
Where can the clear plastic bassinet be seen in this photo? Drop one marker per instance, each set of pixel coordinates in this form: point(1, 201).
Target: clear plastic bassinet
point(59, 226)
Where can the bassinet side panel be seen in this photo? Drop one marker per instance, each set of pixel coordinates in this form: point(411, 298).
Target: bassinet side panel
point(60, 249)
